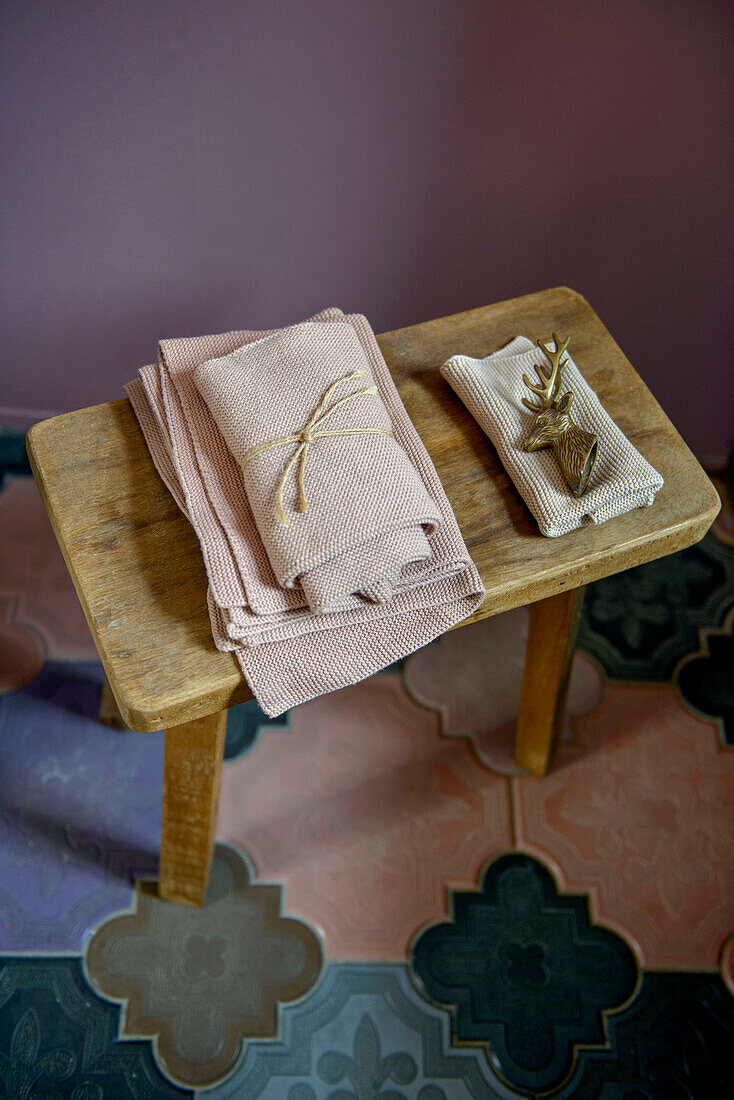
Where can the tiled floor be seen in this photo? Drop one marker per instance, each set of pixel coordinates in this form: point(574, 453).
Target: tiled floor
point(395, 911)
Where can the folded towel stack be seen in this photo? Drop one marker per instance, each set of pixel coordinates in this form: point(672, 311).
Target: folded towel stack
point(330, 546)
point(492, 389)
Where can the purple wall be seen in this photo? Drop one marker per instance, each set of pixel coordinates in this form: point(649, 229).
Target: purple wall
point(180, 166)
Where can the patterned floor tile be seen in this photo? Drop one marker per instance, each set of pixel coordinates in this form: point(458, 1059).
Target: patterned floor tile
point(33, 574)
point(363, 1034)
point(706, 679)
point(80, 810)
point(57, 1039)
point(525, 971)
point(640, 812)
point(473, 677)
point(640, 623)
point(200, 981)
point(673, 1042)
point(365, 812)
point(21, 649)
point(244, 723)
point(13, 456)
point(368, 817)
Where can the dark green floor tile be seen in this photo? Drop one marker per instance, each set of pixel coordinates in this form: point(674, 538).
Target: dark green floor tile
point(640, 623)
point(58, 1039)
point(525, 971)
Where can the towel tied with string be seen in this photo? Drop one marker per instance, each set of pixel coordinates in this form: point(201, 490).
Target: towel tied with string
point(379, 563)
point(309, 435)
point(338, 504)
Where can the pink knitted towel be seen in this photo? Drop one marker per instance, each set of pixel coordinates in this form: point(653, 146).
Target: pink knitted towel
point(337, 502)
point(347, 587)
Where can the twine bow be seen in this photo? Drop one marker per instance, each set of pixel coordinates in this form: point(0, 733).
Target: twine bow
point(307, 437)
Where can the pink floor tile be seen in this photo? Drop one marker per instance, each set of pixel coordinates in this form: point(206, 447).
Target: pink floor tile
point(21, 650)
point(33, 574)
point(640, 812)
point(473, 676)
point(367, 815)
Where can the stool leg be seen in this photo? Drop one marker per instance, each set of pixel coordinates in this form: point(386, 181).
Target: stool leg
point(109, 714)
point(192, 765)
point(551, 643)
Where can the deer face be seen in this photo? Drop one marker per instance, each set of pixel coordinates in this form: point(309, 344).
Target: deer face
point(550, 424)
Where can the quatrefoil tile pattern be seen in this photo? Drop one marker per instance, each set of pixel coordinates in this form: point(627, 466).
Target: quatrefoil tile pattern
point(706, 679)
point(640, 623)
point(673, 1040)
point(58, 1039)
point(244, 725)
point(363, 810)
point(473, 677)
point(396, 912)
point(639, 812)
point(365, 1032)
point(201, 982)
point(525, 971)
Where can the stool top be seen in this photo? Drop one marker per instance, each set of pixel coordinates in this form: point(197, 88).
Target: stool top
point(135, 560)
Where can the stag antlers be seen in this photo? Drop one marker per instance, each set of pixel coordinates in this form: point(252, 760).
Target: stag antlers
point(550, 383)
point(574, 448)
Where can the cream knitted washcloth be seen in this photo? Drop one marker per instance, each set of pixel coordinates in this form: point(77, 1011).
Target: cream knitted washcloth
point(492, 390)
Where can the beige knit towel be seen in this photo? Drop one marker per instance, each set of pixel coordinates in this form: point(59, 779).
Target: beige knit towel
point(492, 390)
point(287, 652)
point(337, 502)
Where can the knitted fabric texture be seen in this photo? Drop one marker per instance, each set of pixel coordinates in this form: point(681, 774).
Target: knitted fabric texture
point(369, 512)
point(288, 652)
point(492, 390)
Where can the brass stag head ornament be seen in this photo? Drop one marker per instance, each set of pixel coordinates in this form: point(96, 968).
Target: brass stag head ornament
point(575, 449)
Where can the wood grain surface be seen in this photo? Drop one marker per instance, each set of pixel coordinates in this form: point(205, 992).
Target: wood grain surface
point(192, 766)
point(109, 712)
point(552, 630)
point(136, 563)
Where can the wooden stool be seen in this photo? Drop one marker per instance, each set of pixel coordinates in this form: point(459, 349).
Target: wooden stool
point(137, 567)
